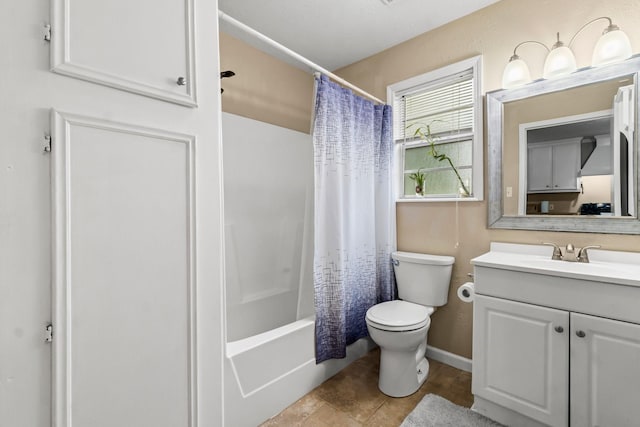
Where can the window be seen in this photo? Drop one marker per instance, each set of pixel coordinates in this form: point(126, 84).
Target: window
point(446, 105)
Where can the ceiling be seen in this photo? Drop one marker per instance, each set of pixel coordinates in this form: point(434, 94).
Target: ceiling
point(336, 33)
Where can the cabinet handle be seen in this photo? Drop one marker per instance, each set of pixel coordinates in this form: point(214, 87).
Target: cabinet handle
point(559, 329)
point(181, 81)
point(580, 334)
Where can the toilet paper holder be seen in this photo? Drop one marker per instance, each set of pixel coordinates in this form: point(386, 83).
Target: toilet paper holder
point(466, 292)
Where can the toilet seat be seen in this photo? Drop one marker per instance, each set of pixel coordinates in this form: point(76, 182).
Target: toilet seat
point(398, 316)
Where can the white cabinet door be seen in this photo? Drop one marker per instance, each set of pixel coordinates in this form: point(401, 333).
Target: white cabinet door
point(539, 168)
point(142, 46)
point(605, 372)
point(553, 167)
point(566, 158)
point(520, 358)
point(124, 287)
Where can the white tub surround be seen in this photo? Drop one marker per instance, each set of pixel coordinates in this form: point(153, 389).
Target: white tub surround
point(554, 342)
point(268, 216)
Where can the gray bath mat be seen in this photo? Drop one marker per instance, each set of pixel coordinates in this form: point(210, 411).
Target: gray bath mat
point(435, 411)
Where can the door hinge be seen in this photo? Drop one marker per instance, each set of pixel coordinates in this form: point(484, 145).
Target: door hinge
point(48, 334)
point(47, 32)
point(47, 143)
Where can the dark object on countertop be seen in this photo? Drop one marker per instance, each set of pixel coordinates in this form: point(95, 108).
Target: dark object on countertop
point(595, 208)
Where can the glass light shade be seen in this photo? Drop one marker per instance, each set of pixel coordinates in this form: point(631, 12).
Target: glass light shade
point(612, 47)
point(515, 74)
point(559, 62)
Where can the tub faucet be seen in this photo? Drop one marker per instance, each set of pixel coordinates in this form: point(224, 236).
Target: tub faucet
point(583, 256)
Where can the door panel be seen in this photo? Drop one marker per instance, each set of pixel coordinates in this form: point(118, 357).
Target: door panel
point(124, 273)
point(142, 46)
point(605, 372)
point(519, 360)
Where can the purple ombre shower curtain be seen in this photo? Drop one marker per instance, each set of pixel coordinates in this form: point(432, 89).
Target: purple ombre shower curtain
point(354, 219)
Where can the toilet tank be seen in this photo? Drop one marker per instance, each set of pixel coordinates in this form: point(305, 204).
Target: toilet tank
point(422, 278)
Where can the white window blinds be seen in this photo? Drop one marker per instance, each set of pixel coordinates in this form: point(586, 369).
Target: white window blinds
point(446, 106)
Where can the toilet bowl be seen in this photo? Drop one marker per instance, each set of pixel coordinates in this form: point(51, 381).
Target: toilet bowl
point(400, 327)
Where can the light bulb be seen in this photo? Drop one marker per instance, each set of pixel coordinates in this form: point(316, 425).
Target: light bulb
point(516, 73)
point(613, 46)
point(559, 62)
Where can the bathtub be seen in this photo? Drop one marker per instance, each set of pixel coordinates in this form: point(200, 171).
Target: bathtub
point(270, 347)
point(267, 372)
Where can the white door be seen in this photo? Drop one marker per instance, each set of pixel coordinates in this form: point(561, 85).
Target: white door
point(605, 372)
point(520, 358)
point(123, 257)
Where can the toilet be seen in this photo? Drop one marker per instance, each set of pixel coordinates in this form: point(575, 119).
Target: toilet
point(400, 327)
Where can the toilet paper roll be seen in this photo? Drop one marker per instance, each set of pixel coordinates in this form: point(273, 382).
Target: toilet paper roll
point(467, 292)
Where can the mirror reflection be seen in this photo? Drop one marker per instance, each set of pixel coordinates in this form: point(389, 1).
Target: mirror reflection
point(570, 152)
point(577, 133)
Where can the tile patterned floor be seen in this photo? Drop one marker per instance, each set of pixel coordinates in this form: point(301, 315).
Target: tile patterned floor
point(352, 398)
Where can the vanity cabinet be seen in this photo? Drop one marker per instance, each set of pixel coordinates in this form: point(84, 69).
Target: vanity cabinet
point(553, 167)
point(556, 343)
point(554, 366)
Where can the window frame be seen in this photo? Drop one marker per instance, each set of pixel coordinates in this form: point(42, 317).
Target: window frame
point(410, 85)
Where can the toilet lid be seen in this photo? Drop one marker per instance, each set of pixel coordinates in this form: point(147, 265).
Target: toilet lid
point(398, 316)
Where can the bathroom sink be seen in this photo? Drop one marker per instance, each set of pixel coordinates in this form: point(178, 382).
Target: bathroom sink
point(606, 266)
point(593, 268)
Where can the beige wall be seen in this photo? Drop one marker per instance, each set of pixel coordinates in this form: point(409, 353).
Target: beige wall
point(492, 32)
point(264, 88)
point(269, 90)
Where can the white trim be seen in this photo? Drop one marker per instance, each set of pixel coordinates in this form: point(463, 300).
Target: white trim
point(475, 63)
point(61, 62)
point(450, 359)
point(418, 199)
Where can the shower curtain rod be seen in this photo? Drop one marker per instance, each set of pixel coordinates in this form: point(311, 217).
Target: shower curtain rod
point(294, 55)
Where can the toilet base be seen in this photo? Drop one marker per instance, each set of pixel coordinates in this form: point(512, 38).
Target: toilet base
point(400, 375)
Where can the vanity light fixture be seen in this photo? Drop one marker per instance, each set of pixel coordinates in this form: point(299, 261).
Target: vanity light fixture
point(613, 46)
point(560, 61)
point(516, 73)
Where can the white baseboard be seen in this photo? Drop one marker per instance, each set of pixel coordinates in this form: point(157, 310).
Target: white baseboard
point(450, 359)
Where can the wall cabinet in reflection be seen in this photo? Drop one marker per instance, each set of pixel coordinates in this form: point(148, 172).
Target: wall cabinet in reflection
point(553, 167)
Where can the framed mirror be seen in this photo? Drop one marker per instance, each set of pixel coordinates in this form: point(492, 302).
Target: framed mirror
point(563, 153)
